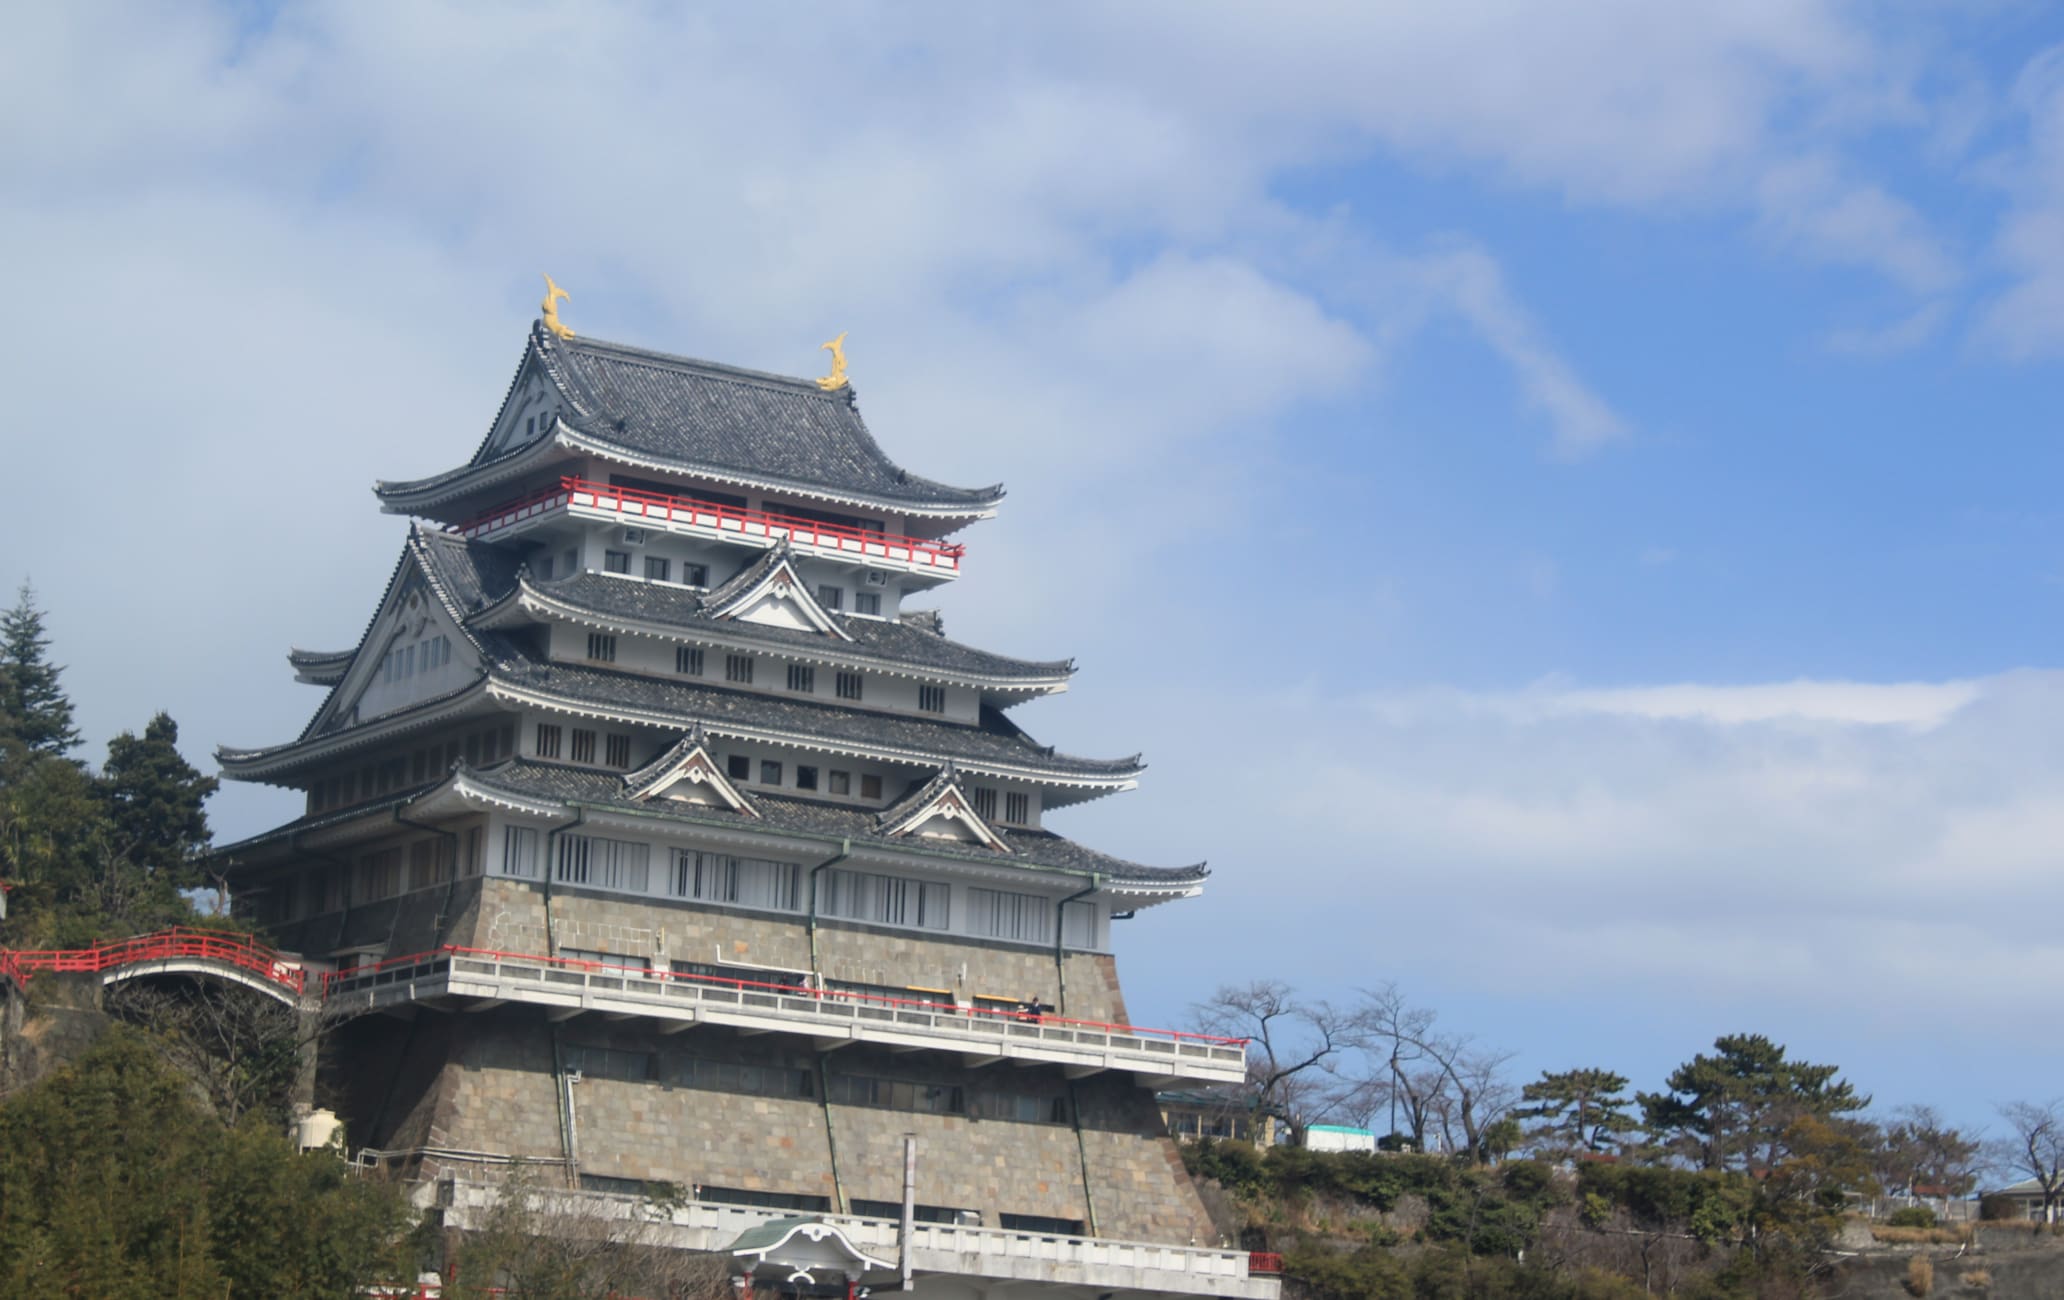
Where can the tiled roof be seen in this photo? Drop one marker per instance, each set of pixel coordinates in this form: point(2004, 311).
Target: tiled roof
point(729, 423)
point(472, 575)
point(993, 742)
point(532, 779)
point(901, 644)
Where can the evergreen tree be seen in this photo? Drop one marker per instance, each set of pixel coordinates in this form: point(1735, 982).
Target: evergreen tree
point(1576, 1110)
point(34, 710)
point(1734, 1109)
point(154, 803)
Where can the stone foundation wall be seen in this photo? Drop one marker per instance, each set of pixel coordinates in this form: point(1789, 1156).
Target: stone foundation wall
point(494, 1091)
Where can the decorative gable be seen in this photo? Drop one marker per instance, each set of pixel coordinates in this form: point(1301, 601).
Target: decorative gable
point(941, 810)
point(687, 773)
point(526, 414)
point(413, 651)
point(768, 592)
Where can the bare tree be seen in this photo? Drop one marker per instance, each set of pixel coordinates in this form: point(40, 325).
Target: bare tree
point(545, 1242)
point(1292, 1046)
point(1450, 1086)
point(1915, 1153)
point(2034, 1145)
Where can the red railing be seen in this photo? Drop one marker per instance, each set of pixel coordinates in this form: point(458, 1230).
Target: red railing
point(166, 945)
point(759, 986)
point(245, 953)
point(661, 507)
point(1264, 1261)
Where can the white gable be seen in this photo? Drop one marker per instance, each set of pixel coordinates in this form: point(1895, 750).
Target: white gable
point(778, 598)
point(947, 815)
point(687, 774)
point(413, 653)
point(778, 609)
point(528, 413)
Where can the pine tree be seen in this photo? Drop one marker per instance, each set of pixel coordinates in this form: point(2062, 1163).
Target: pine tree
point(34, 710)
point(154, 801)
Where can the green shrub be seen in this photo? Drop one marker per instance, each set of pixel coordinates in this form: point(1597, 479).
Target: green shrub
point(1911, 1216)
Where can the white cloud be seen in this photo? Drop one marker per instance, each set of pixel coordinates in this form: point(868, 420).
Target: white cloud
point(1900, 336)
point(1807, 205)
point(2026, 321)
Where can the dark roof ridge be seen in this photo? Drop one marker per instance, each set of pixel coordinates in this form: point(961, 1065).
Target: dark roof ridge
point(634, 354)
point(577, 590)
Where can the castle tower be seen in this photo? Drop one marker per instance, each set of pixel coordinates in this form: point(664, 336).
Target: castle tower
point(665, 844)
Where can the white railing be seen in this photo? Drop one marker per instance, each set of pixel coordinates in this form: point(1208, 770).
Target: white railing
point(567, 982)
point(935, 1248)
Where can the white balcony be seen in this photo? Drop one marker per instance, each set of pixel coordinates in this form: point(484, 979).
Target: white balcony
point(1158, 1057)
point(584, 499)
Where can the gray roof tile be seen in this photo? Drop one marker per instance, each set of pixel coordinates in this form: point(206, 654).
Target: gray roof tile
point(807, 816)
point(701, 416)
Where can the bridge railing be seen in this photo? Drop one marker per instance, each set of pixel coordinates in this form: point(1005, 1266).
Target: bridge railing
point(181, 943)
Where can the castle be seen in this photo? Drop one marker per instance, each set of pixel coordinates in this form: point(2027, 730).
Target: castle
point(663, 844)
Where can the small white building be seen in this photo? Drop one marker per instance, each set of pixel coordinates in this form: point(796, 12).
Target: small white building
point(1337, 1137)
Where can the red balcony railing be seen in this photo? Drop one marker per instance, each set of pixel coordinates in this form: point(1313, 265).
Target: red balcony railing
point(165, 945)
point(1264, 1261)
point(635, 506)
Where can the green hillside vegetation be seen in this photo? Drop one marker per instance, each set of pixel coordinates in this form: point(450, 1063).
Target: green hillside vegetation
point(117, 1182)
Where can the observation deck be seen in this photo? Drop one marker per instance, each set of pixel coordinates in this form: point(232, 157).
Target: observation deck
point(687, 516)
point(568, 987)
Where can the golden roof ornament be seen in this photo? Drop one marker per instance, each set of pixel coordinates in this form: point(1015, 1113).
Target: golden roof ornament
point(552, 322)
point(837, 378)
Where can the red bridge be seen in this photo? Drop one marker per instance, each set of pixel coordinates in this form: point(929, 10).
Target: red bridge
point(178, 951)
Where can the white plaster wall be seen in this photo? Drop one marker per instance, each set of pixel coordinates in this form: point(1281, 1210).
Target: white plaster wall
point(664, 842)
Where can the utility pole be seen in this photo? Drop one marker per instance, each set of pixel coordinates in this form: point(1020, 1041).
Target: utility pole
point(909, 1204)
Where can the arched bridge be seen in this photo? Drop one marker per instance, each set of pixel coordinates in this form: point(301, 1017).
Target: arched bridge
point(179, 951)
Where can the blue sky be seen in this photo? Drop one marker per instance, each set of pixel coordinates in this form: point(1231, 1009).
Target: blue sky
point(1564, 496)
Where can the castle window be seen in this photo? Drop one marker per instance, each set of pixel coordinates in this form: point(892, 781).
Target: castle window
point(1000, 914)
point(883, 900)
point(688, 660)
point(619, 751)
point(548, 735)
point(738, 668)
point(849, 685)
point(657, 568)
point(694, 575)
point(984, 799)
point(602, 647)
point(896, 1094)
point(616, 561)
point(870, 786)
point(770, 772)
point(804, 1202)
point(805, 777)
point(583, 745)
point(867, 602)
point(732, 1076)
point(841, 783)
point(932, 699)
point(802, 679)
point(831, 597)
point(604, 863)
point(1017, 809)
point(748, 882)
point(739, 767)
point(1041, 1224)
point(611, 1063)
